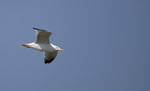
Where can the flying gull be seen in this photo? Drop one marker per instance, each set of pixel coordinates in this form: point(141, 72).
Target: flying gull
point(43, 44)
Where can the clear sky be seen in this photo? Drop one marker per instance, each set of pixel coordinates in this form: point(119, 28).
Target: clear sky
point(106, 43)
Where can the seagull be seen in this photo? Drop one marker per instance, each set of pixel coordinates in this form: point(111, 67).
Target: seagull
point(43, 44)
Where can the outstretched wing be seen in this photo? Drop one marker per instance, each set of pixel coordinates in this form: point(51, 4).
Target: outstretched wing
point(42, 36)
point(49, 56)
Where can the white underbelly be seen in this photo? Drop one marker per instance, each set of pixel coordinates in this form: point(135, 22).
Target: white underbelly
point(44, 48)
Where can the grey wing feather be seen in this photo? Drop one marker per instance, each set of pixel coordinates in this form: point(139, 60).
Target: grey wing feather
point(42, 36)
point(49, 57)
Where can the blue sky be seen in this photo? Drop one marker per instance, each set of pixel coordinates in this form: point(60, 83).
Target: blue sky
point(106, 45)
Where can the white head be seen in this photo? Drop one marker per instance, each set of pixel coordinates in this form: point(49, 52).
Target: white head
point(57, 48)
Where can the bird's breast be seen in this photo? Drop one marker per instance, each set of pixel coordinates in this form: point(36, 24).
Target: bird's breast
point(44, 47)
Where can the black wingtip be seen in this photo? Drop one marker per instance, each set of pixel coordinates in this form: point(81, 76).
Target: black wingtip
point(39, 29)
point(35, 28)
point(48, 61)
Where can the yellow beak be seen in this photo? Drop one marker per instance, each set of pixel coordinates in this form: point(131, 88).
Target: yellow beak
point(25, 45)
point(61, 50)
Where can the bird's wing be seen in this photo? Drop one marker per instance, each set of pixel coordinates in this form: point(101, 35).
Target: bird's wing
point(42, 36)
point(49, 56)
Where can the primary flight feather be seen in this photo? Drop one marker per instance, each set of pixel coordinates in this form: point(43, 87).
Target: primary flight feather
point(43, 44)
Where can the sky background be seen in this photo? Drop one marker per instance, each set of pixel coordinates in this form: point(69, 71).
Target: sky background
point(106, 45)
